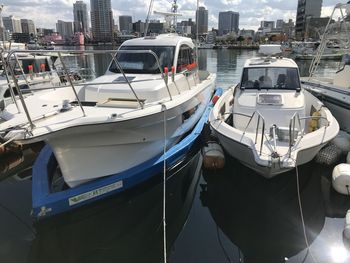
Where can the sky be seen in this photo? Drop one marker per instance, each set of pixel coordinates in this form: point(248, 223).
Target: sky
point(45, 13)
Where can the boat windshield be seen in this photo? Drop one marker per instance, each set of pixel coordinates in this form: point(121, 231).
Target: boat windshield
point(144, 63)
point(270, 78)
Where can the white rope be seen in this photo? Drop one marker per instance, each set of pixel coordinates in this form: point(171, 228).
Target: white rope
point(302, 214)
point(164, 186)
point(8, 141)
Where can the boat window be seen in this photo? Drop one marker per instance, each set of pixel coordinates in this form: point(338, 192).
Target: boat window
point(7, 93)
point(186, 59)
point(270, 78)
point(144, 62)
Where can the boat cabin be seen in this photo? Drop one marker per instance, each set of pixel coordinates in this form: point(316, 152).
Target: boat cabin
point(154, 66)
point(270, 73)
point(271, 87)
point(171, 51)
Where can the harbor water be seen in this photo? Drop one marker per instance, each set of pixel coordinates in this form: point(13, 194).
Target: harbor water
point(230, 215)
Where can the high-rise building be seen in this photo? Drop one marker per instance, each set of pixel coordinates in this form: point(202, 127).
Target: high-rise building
point(80, 17)
point(202, 20)
point(279, 23)
point(12, 24)
point(28, 26)
point(139, 27)
point(267, 25)
point(228, 22)
point(305, 10)
point(65, 29)
point(125, 24)
point(101, 20)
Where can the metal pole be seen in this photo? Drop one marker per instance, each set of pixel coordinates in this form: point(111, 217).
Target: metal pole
point(20, 95)
point(13, 96)
point(126, 79)
point(71, 83)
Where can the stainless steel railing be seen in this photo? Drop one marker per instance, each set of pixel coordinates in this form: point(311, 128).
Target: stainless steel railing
point(260, 118)
point(9, 70)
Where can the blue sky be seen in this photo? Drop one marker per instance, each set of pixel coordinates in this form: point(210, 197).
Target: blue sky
point(45, 13)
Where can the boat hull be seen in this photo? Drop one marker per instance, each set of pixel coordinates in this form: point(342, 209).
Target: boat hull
point(47, 202)
point(91, 151)
point(255, 150)
point(246, 156)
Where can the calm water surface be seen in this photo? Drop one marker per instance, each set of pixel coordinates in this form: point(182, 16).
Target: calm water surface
point(233, 215)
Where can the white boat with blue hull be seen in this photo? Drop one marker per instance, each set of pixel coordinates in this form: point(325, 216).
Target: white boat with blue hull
point(49, 200)
point(268, 122)
point(117, 121)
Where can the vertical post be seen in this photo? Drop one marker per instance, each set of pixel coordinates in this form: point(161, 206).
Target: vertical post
point(13, 96)
point(71, 83)
point(257, 129)
point(2, 26)
point(126, 78)
point(20, 93)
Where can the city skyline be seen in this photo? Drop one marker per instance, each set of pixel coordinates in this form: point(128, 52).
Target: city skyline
point(45, 13)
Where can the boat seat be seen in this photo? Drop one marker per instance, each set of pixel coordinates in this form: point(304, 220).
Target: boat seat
point(281, 80)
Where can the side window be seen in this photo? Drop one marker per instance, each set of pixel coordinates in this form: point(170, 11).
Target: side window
point(186, 59)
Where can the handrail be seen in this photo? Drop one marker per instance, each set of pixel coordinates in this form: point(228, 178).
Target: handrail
point(13, 96)
point(71, 83)
point(257, 127)
point(72, 52)
point(157, 60)
point(292, 130)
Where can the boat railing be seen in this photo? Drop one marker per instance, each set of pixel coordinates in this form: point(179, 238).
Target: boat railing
point(324, 38)
point(294, 134)
point(13, 54)
point(260, 119)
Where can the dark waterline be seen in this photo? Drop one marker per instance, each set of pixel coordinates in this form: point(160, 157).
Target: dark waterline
point(236, 215)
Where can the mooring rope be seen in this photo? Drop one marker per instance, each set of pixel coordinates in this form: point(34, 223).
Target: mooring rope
point(8, 141)
point(164, 185)
point(302, 214)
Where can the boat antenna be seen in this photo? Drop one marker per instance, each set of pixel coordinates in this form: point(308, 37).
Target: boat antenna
point(197, 14)
point(148, 15)
point(174, 10)
point(2, 28)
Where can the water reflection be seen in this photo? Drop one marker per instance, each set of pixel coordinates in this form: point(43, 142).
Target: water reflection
point(261, 217)
point(126, 228)
point(257, 220)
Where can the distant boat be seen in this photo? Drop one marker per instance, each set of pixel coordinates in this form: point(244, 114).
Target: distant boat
point(267, 121)
point(205, 46)
point(32, 72)
point(333, 90)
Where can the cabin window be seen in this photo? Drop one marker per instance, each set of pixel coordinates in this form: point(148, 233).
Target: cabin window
point(7, 93)
point(270, 78)
point(186, 59)
point(144, 63)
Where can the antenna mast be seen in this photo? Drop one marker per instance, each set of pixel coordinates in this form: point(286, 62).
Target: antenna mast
point(174, 10)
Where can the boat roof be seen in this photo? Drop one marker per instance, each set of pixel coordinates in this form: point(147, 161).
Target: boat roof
point(273, 62)
point(159, 40)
